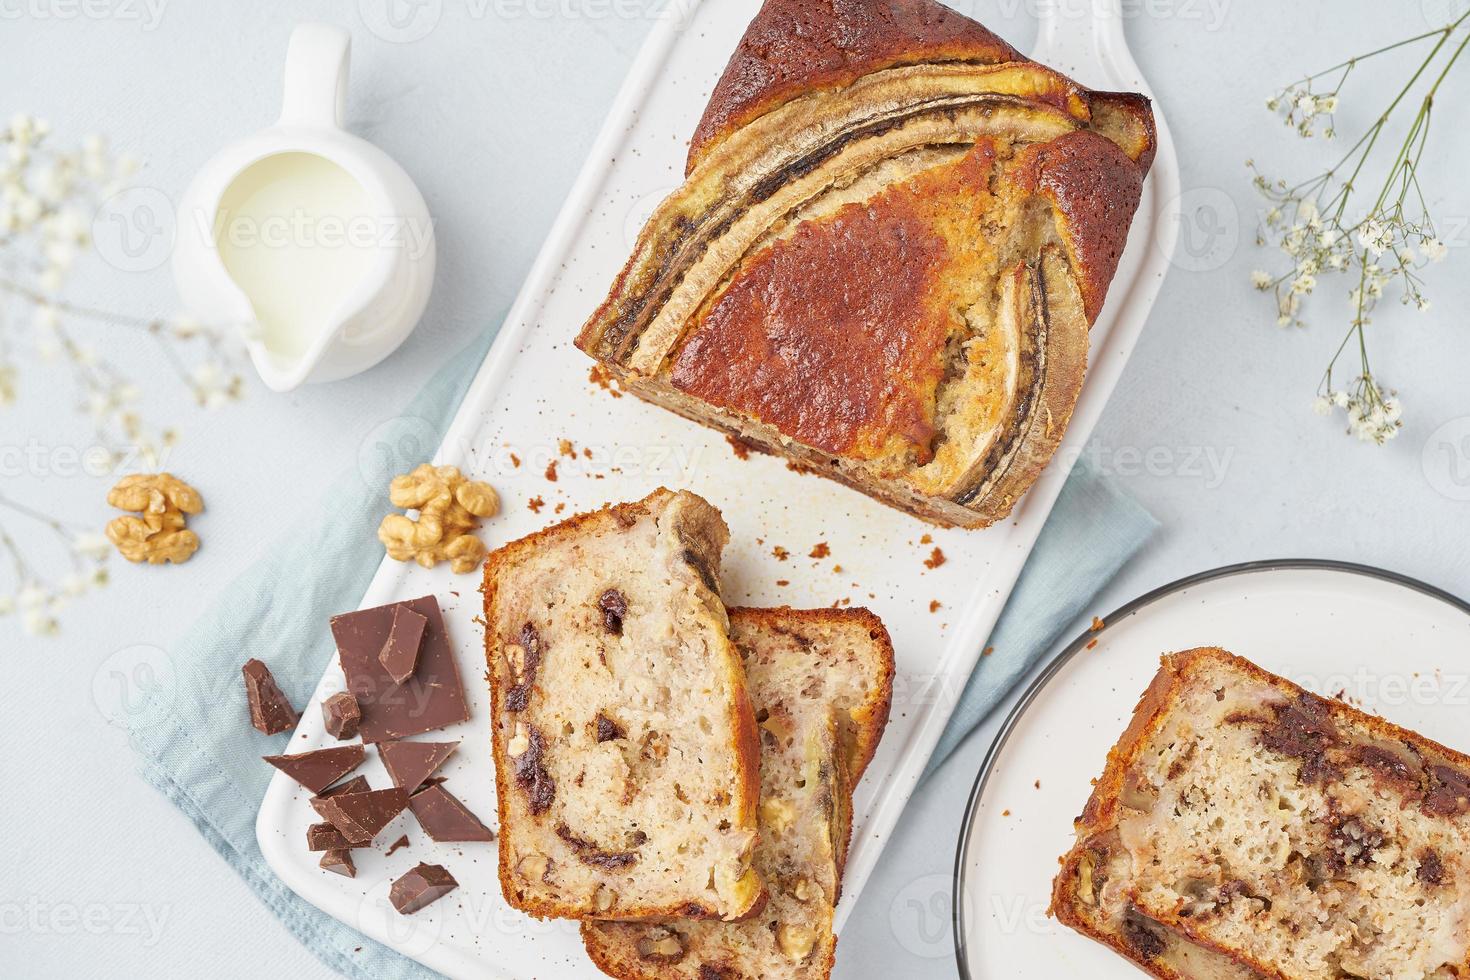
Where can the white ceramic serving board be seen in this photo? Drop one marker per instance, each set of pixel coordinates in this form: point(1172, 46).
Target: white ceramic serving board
point(533, 392)
point(1386, 646)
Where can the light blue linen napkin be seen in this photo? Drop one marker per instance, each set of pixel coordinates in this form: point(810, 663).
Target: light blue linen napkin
point(1091, 533)
point(189, 726)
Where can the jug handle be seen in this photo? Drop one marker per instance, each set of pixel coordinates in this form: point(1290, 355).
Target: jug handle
point(316, 77)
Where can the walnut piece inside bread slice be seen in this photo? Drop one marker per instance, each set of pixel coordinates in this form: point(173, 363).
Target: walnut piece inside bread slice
point(893, 238)
point(1247, 828)
point(821, 681)
point(626, 752)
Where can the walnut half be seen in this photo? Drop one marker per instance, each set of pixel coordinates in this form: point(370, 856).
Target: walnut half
point(661, 945)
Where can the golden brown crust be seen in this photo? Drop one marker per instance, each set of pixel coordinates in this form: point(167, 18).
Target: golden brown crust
point(1094, 189)
point(745, 738)
point(794, 47)
point(1100, 816)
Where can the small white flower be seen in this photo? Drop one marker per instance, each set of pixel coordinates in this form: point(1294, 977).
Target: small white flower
point(1434, 249)
point(91, 545)
point(1375, 237)
point(1392, 409)
point(7, 605)
point(1261, 280)
point(32, 596)
point(1340, 399)
point(1327, 104)
point(74, 585)
point(40, 623)
point(1306, 103)
point(1322, 405)
point(1422, 304)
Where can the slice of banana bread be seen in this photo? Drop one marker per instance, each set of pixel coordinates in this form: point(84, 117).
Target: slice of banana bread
point(626, 752)
point(821, 681)
point(1247, 828)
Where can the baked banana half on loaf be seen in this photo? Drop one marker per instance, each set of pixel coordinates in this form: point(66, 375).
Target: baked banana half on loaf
point(1245, 828)
point(894, 235)
point(821, 681)
point(626, 752)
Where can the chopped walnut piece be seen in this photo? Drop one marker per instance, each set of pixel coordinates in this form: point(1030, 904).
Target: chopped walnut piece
point(450, 507)
point(159, 534)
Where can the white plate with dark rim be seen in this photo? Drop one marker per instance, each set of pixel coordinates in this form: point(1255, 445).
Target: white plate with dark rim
point(1386, 643)
point(532, 392)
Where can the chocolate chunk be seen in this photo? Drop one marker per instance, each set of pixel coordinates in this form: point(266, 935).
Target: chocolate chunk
point(445, 819)
point(362, 816)
point(341, 715)
point(340, 862)
point(614, 607)
point(592, 854)
point(1431, 868)
point(397, 845)
point(1387, 765)
point(1141, 934)
point(1303, 730)
point(531, 774)
point(400, 653)
point(607, 729)
point(325, 837)
point(320, 769)
point(357, 784)
point(529, 641)
point(425, 884)
point(410, 763)
point(270, 710)
point(432, 698)
point(1354, 843)
point(1449, 792)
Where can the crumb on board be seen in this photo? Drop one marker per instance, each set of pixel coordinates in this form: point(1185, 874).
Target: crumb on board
point(1038, 784)
point(1097, 624)
point(836, 569)
point(935, 559)
point(535, 504)
point(1092, 644)
point(739, 446)
point(927, 539)
point(565, 447)
point(820, 550)
point(987, 651)
point(1005, 813)
point(935, 605)
point(783, 582)
point(559, 508)
point(515, 461)
point(599, 376)
point(781, 553)
point(551, 471)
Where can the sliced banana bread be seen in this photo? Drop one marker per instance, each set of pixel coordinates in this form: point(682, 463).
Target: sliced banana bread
point(626, 752)
point(821, 681)
point(1247, 828)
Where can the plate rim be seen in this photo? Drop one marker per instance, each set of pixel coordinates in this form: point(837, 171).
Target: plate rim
point(1072, 648)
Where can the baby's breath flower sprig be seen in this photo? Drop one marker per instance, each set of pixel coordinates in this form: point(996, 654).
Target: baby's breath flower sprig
point(48, 197)
point(37, 599)
point(1322, 226)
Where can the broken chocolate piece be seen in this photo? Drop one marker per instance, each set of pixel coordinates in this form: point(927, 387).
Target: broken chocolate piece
point(410, 763)
point(445, 819)
point(270, 710)
point(397, 845)
point(357, 784)
point(341, 715)
point(320, 769)
point(432, 698)
point(325, 837)
point(400, 653)
point(425, 884)
point(362, 816)
point(340, 862)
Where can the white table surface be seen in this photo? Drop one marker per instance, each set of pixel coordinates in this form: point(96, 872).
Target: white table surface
point(492, 113)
